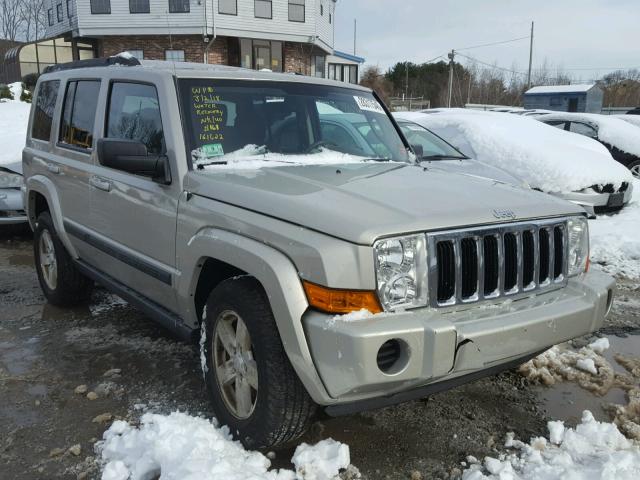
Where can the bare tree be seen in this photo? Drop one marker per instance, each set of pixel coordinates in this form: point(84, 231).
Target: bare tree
point(10, 19)
point(34, 19)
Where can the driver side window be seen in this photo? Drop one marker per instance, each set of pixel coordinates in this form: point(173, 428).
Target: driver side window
point(134, 114)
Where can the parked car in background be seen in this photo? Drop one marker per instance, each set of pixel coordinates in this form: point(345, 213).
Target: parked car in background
point(620, 137)
point(440, 155)
point(572, 167)
point(11, 203)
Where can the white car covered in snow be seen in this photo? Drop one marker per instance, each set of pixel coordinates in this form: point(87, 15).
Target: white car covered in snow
point(619, 135)
point(573, 167)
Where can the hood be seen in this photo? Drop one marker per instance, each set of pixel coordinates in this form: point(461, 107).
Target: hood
point(474, 168)
point(15, 167)
point(362, 202)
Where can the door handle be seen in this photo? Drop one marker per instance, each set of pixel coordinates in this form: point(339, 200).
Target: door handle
point(100, 183)
point(53, 168)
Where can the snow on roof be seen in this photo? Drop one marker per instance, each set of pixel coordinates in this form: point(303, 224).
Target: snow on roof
point(545, 157)
point(577, 88)
point(611, 129)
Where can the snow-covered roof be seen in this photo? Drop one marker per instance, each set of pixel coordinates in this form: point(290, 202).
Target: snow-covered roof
point(544, 156)
point(611, 129)
point(578, 88)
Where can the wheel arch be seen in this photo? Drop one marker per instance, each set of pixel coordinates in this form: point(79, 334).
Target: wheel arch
point(278, 277)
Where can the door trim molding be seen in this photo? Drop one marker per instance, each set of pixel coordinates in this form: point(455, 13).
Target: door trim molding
point(133, 261)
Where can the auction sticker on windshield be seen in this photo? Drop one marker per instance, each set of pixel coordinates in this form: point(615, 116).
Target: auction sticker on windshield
point(368, 104)
point(212, 150)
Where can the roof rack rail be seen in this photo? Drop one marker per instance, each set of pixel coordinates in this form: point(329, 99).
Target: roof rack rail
point(94, 62)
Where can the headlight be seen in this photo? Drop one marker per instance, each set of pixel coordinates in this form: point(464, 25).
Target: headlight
point(401, 271)
point(10, 180)
point(578, 234)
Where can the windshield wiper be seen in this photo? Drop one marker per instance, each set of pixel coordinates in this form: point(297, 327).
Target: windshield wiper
point(442, 157)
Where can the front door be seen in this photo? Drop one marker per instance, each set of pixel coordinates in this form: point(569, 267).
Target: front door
point(133, 216)
point(573, 104)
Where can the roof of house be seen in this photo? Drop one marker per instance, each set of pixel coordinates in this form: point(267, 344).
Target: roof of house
point(348, 56)
point(577, 88)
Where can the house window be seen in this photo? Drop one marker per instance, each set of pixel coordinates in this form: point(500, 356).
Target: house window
point(179, 6)
point(59, 12)
point(100, 6)
point(263, 9)
point(555, 101)
point(318, 66)
point(296, 10)
point(50, 16)
point(228, 7)
point(69, 12)
point(174, 55)
point(139, 6)
point(139, 54)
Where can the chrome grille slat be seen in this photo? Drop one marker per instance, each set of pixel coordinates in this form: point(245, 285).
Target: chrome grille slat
point(482, 246)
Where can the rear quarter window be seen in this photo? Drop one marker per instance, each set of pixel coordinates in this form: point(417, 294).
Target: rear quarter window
point(45, 105)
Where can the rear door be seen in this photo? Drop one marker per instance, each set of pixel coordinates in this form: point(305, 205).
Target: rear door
point(133, 217)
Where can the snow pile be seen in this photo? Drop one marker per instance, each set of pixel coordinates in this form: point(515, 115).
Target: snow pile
point(179, 446)
point(586, 367)
point(615, 239)
point(14, 117)
point(545, 157)
point(252, 157)
point(593, 450)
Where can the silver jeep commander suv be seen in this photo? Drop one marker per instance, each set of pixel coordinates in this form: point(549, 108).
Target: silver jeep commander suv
point(261, 213)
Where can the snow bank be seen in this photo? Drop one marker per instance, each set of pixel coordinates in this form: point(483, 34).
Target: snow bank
point(253, 157)
point(14, 117)
point(615, 239)
point(593, 450)
point(545, 157)
point(179, 446)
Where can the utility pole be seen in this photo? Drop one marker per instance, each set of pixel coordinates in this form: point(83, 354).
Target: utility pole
point(451, 57)
point(355, 30)
point(406, 80)
point(530, 57)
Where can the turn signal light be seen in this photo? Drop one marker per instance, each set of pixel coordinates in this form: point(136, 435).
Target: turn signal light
point(331, 300)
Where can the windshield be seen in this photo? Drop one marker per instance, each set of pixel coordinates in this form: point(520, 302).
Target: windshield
point(433, 147)
point(234, 122)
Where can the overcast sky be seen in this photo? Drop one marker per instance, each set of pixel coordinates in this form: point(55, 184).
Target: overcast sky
point(587, 38)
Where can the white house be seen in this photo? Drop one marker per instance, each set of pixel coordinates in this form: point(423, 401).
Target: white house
point(281, 35)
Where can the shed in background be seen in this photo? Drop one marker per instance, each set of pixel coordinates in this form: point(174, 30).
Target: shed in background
point(565, 98)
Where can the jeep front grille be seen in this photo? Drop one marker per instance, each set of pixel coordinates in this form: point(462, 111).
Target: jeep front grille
point(471, 265)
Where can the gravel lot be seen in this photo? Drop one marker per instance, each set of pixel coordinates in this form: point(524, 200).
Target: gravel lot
point(65, 374)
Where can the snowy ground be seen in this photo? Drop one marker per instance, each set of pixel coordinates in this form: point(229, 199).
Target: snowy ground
point(14, 116)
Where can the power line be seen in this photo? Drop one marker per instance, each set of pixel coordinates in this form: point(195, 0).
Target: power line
point(493, 43)
point(489, 65)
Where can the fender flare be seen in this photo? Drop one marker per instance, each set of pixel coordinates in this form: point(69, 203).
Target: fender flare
point(280, 280)
point(45, 187)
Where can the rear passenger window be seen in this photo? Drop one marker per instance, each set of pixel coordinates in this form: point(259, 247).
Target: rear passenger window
point(79, 113)
point(134, 114)
point(45, 104)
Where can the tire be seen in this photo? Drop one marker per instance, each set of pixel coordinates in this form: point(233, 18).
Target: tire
point(68, 287)
point(281, 408)
point(634, 167)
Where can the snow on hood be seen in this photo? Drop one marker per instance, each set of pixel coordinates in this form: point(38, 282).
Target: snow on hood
point(547, 158)
point(612, 130)
point(14, 117)
point(632, 119)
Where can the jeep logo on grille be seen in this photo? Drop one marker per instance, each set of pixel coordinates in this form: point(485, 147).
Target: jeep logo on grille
point(504, 213)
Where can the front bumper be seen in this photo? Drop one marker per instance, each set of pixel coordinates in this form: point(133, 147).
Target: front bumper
point(11, 206)
point(593, 199)
point(438, 345)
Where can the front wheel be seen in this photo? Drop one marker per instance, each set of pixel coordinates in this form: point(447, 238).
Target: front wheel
point(635, 169)
point(253, 387)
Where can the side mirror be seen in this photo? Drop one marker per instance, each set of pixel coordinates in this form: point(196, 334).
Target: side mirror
point(131, 156)
point(418, 150)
